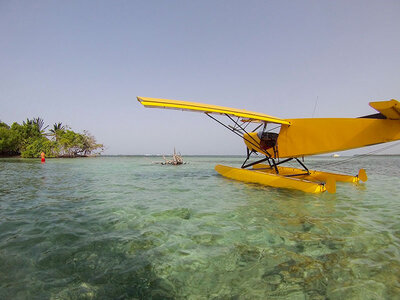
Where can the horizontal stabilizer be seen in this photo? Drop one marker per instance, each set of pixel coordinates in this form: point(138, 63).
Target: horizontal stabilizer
point(390, 109)
point(209, 109)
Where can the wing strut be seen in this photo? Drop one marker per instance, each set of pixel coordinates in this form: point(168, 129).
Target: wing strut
point(234, 130)
point(240, 130)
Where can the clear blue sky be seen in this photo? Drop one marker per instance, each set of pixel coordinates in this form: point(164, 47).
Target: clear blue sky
point(84, 62)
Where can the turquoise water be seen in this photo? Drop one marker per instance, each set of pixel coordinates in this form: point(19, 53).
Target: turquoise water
point(124, 228)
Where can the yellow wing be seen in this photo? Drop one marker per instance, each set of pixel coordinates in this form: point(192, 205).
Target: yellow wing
point(209, 109)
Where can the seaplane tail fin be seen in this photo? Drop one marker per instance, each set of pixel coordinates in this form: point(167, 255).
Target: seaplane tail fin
point(390, 109)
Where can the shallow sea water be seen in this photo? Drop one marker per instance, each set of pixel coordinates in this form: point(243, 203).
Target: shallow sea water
point(124, 228)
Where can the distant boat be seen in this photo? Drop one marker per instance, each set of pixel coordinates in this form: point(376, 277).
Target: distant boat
point(335, 155)
point(176, 160)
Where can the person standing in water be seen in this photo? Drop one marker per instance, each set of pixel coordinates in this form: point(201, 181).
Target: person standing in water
point(43, 157)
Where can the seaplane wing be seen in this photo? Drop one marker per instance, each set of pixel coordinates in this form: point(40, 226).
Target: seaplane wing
point(248, 116)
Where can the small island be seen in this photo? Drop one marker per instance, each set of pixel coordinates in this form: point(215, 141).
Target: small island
point(30, 138)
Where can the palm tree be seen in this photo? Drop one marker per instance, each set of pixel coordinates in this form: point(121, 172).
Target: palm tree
point(56, 127)
point(28, 122)
point(39, 122)
point(56, 130)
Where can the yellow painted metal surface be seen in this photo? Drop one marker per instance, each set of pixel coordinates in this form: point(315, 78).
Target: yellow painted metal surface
point(273, 180)
point(206, 108)
point(315, 176)
point(252, 142)
point(362, 174)
point(390, 109)
point(317, 136)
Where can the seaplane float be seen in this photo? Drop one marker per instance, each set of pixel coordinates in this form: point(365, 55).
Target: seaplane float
point(279, 141)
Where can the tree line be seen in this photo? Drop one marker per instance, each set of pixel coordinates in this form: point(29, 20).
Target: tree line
point(30, 138)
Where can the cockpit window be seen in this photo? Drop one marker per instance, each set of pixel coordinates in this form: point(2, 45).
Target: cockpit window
point(268, 139)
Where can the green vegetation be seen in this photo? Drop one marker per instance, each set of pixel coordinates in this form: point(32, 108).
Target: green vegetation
point(30, 138)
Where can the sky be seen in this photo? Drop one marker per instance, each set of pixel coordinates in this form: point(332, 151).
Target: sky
point(83, 63)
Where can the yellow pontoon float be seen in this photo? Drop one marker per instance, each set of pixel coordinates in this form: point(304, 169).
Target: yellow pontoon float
point(282, 140)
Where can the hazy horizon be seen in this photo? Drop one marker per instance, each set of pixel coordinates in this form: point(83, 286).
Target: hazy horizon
point(84, 63)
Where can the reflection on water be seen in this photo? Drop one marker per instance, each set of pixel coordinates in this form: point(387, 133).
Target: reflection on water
point(122, 228)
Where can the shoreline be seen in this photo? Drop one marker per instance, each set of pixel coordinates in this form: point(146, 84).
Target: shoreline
point(64, 156)
point(191, 155)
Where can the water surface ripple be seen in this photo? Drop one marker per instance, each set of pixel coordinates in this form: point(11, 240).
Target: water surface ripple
point(124, 228)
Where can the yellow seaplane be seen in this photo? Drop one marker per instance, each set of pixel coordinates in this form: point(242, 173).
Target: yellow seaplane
point(279, 141)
